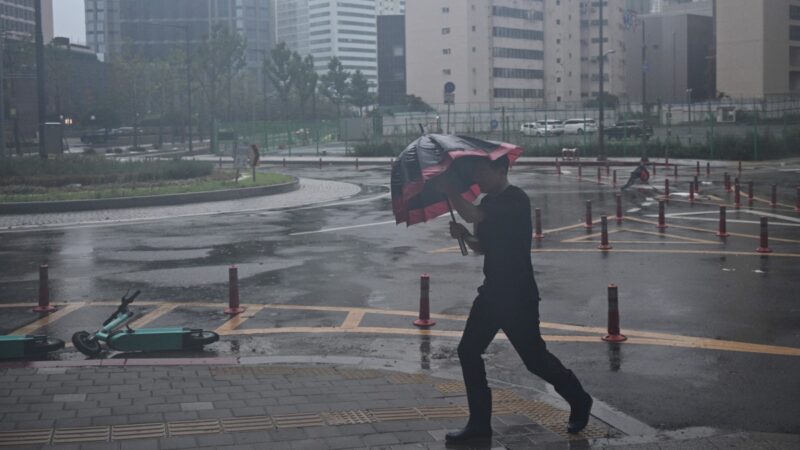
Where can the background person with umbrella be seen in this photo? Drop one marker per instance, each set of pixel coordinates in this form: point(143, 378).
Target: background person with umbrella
point(508, 299)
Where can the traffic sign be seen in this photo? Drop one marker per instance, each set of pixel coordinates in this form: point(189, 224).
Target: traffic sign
point(494, 124)
point(449, 87)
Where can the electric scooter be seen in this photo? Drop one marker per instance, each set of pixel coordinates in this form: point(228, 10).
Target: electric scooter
point(28, 345)
point(142, 340)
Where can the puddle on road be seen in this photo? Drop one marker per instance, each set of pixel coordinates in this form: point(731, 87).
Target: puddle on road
point(202, 275)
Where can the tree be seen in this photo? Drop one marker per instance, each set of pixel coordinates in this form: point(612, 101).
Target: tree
point(220, 57)
point(278, 68)
point(334, 85)
point(305, 81)
point(359, 93)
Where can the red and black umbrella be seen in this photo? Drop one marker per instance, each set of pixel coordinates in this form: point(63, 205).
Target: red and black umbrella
point(414, 199)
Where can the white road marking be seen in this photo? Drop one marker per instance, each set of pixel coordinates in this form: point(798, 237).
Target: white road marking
point(328, 230)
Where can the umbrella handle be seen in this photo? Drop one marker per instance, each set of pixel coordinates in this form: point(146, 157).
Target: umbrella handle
point(461, 243)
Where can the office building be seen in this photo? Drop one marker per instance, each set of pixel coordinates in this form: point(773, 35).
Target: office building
point(391, 59)
point(758, 47)
point(493, 52)
point(17, 19)
point(157, 28)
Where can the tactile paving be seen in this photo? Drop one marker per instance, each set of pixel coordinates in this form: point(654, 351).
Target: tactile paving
point(138, 431)
point(389, 414)
point(251, 423)
point(298, 420)
point(190, 427)
point(442, 412)
point(85, 434)
point(25, 437)
point(409, 378)
point(352, 417)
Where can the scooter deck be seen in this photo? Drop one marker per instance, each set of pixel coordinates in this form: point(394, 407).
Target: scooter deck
point(148, 339)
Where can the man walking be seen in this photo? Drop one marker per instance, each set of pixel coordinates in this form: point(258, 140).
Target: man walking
point(507, 300)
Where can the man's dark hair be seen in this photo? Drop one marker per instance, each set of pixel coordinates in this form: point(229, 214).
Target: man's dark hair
point(500, 163)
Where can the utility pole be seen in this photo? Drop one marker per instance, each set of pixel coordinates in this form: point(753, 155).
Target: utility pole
point(40, 92)
point(601, 95)
point(2, 96)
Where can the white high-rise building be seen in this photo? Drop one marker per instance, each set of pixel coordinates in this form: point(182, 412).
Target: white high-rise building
point(492, 51)
point(390, 7)
point(291, 24)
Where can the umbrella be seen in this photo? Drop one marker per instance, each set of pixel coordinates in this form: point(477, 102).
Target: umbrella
point(414, 199)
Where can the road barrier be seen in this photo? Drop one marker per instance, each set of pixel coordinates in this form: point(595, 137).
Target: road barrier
point(723, 229)
point(604, 234)
point(233, 292)
point(749, 193)
point(737, 194)
point(538, 220)
point(773, 198)
point(764, 245)
point(44, 291)
point(614, 334)
point(619, 208)
point(424, 319)
point(588, 223)
point(662, 222)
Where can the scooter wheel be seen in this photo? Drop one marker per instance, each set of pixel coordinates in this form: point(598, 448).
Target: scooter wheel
point(199, 338)
point(44, 344)
point(85, 344)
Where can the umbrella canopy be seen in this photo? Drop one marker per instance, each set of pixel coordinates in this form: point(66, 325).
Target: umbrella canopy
point(414, 199)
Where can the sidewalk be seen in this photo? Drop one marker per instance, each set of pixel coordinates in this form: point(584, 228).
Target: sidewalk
point(285, 403)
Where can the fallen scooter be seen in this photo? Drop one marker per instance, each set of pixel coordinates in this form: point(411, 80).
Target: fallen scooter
point(143, 339)
point(28, 346)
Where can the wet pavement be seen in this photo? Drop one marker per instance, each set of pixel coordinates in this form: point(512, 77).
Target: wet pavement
point(713, 326)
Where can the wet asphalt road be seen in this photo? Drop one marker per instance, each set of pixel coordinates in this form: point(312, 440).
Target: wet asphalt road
point(289, 257)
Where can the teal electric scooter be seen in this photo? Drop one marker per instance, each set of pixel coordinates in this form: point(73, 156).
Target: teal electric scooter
point(28, 346)
point(140, 340)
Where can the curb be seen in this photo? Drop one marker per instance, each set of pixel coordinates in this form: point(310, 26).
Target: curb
point(145, 201)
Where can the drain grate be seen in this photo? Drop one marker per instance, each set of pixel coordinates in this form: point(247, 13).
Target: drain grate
point(252, 423)
point(352, 417)
point(192, 427)
point(86, 434)
point(25, 437)
point(389, 414)
point(556, 419)
point(442, 412)
point(138, 431)
point(298, 420)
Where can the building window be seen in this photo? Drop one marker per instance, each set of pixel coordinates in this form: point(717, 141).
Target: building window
point(446, 72)
point(794, 12)
point(445, 10)
point(517, 53)
point(518, 93)
point(445, 30)
point(518, 33)
point(525, 74)
point(794, 33)
point(446, 51)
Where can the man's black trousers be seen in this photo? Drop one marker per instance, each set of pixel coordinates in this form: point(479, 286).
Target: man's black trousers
point(520, 322)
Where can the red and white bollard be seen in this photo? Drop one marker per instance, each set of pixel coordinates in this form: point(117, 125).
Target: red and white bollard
point(599, 176)
point(708, 169)
point(613, 316)
point(44, 291)
point(538, 221)
point(773, 198)
point(608, 169)
point(691, 192)
point(740, 169)
point(588, 223)
point(614, 179)
point(697, 172)
point(284, 162)
point(737, 195)
point(662, 221)
point(723, 228)
point(424, 319)
point(666, 189)
point(654, 169)
point(619, 208)
point(604, 245)
point(233, 292)
point(675, 168)
point(356, 163)
point(580, 170)
point(726, 179)
point(764, 247)
point(749, 193)
point(558, 167)
point(696, 185)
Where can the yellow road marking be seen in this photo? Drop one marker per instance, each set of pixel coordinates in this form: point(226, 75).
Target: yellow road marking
point(654, 251)
point(47, 320)
point(704, 230)
point(235, 321)
point(152, 315)
point(353, 319)
point(568, 227)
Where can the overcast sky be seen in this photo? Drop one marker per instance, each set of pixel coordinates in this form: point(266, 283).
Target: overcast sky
point(68, 20)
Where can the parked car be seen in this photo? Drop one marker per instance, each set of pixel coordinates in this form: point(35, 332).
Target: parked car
point(629, 128)
point(542, 128)
point(95, 136)
point(580, 126)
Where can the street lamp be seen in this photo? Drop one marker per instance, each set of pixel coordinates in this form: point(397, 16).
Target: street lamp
point(601, 96)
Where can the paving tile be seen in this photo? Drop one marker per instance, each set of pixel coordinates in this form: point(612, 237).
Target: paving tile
point(380, 439)
point(178, 442)
point(344, 442)
point(196, 406)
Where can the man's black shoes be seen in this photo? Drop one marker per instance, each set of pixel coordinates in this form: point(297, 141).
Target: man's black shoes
point(579, 414)
point(469, 435)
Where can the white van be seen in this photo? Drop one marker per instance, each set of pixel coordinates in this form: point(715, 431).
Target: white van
point(580, 126)
point(542, 128)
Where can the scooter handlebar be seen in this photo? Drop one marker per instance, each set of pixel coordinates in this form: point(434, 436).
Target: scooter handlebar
point(127, 301)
